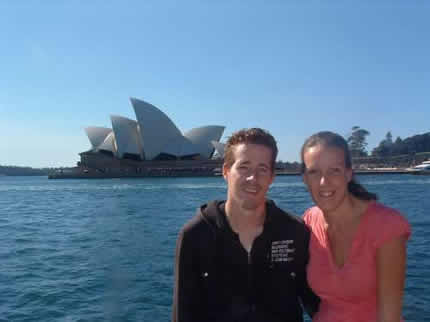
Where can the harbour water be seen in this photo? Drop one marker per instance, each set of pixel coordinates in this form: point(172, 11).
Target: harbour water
point(102, 250)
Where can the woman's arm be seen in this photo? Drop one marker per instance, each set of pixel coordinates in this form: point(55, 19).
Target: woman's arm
point(391, 267)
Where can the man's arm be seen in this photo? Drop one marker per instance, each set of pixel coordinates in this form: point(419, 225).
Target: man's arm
point(309, 299)
point(186, 291)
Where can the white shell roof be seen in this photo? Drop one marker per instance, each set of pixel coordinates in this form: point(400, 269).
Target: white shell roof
point(180, 146)
point(108, 143)
point(201, 137)
point(126, 136)
point(97, 135)
point(219, 147)
point(156, 128)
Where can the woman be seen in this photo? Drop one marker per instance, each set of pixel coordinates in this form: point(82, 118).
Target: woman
point(358, 246)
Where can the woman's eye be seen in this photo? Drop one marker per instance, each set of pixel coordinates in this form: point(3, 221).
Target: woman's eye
point(263, 170)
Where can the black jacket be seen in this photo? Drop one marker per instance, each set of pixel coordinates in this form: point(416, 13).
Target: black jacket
point(217, 280)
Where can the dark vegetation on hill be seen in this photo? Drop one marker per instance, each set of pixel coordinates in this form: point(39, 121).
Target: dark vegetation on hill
point(23, 171)
point(398, 153)
point(412, 145)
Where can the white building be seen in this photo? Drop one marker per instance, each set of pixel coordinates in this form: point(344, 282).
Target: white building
point(154, 136)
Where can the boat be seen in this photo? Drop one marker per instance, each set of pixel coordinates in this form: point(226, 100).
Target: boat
point(422, 168)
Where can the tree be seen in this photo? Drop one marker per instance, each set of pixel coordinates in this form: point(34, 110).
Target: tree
point(357, 142)
point(388, 138)
point(398, 147)
point(385, 147)
point(398, 140)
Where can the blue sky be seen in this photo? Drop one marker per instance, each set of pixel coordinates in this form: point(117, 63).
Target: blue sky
point(289, 67)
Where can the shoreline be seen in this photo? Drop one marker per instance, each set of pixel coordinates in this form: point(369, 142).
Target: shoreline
point(360, 171)
point(79, 173)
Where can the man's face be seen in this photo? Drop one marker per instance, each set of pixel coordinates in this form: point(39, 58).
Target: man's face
point(250, 175)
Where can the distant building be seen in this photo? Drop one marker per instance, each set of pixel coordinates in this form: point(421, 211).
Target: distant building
point(152, 137)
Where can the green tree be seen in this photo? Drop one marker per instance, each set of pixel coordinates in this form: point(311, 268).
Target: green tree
point(388, 138)
point(398, 140)
point(357, 142)
point(385, 147)
point(398, 147)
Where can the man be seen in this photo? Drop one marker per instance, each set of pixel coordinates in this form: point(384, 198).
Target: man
point(243, 259)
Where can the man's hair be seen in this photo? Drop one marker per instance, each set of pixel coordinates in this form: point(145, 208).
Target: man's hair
point(250, 136)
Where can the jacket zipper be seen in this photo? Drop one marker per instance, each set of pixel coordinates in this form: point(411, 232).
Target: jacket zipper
point(250, 284)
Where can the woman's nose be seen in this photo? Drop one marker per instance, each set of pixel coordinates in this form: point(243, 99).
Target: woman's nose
point(251, 177)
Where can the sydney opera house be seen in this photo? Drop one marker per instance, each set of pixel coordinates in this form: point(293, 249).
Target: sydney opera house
point(151, 145)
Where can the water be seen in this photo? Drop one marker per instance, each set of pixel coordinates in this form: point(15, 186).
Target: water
point(102, 250)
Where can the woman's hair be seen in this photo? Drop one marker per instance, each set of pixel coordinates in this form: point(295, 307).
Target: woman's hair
point(333, 140)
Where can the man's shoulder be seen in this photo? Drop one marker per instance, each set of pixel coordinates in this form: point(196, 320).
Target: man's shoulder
point(283, 216)
point(204, 219)
point(287, 224)
point(194, 223)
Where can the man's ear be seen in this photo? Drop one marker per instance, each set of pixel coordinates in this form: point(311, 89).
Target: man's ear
point(225, 170)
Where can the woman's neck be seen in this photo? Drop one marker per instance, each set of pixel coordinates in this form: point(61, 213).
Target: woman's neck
point(349, 211)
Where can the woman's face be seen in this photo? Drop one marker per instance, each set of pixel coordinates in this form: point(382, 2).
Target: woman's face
point(326, 176)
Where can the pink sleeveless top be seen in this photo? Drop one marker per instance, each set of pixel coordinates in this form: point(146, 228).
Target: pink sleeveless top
point(349, 294)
